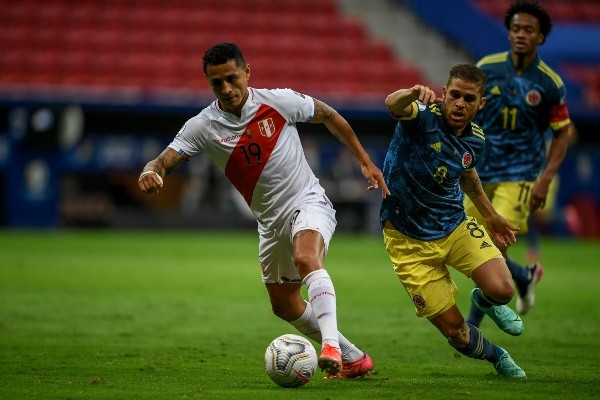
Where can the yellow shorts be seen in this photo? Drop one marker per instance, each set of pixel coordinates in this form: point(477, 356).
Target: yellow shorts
point(552, 195)
point(422, 268)
point(510, 199)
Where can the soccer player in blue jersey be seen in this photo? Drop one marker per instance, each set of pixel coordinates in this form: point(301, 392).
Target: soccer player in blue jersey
point(525, 98)
point(428, 167)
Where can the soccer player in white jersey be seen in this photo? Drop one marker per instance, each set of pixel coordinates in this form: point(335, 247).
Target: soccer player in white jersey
point(251, 135)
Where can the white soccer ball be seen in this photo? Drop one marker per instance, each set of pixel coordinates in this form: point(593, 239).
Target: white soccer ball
point(291, 360)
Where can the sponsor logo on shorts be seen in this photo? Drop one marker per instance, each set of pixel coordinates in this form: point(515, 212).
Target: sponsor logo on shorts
point(484, 244)
point(418, 301)
point(285, 279)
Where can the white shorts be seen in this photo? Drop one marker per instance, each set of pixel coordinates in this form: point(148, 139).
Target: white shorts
point(275, 250)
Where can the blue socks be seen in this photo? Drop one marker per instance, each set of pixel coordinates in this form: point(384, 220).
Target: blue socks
point(475, 316)
point(519, 273)
point(480, 348)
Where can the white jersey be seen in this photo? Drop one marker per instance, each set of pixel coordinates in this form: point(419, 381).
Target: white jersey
point(260, 152)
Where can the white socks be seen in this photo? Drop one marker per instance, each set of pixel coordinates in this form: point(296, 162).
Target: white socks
point(321, 296)
point(313, 326)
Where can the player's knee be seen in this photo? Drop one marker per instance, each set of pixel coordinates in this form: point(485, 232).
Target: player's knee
point(502, 292)
point(306, 263)
point(284, 311)
point(288, 308)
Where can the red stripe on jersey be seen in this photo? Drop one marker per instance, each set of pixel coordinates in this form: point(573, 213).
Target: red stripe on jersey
point(253, 150)
point(559, 116)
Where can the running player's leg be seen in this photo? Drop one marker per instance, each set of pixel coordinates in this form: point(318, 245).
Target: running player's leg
point(470, 341)
point(295, 253)
point(355, 362)
point(511, 200)
point(475, 316)
point(473, 254)
point(288, 304)
point(493, 292)
point(309, 251)
point(421, 267)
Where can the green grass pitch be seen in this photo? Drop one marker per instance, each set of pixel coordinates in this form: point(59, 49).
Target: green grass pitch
point(176, 315)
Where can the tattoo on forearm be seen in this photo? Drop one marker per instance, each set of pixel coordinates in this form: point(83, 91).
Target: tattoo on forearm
point(470, 184)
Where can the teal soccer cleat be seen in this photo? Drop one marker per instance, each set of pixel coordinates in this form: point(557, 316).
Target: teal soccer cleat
point(503, 316)
point(507, 367)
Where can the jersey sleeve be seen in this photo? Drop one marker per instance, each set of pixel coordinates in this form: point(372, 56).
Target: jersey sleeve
point(294, 106)
point(559, 112)
point(188, 140)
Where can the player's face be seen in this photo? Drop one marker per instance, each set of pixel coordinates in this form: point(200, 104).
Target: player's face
point(462, 100)
point(524, 34)
point(229, 83)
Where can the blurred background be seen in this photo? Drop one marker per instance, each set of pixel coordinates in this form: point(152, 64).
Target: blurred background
point(90, 90)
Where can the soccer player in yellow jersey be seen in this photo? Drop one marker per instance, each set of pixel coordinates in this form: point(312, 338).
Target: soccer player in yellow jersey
point(525, 98)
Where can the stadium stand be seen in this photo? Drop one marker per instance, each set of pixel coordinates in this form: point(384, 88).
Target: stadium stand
point(133, 69)
point(147, 46)
point(572, 11)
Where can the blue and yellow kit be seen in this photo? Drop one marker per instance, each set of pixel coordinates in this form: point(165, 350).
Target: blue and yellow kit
point(518, 112)
point(422, 169)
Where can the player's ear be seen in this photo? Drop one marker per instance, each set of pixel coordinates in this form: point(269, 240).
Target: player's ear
point(482, 103)
point(247, 71)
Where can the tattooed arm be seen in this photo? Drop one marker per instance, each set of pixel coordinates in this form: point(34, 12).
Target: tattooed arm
point(341, 129)
point(500, 230)
point(151, 178)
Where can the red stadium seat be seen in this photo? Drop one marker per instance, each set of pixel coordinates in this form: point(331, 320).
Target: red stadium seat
point(306, 44)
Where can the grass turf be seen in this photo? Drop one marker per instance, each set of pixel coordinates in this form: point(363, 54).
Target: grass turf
point(167, 315)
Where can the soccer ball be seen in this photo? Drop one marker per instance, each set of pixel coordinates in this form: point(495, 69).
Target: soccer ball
point(290, 360)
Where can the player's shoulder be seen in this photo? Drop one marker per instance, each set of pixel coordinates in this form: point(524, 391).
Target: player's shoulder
point(491, 59)
point(280, 98)
point(209, 112)
point(202, 119)
point(546, 71)
point(477, 131)
point(276, 93)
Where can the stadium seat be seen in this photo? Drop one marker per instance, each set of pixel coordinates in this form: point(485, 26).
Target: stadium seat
point(150, 43)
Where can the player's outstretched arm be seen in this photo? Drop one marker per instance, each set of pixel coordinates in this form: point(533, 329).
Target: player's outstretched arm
point(341, 129)
point(400, 102)
point(151, 178)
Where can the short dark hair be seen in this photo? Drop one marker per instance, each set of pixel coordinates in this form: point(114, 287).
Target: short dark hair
point(530, 7)
point(469, 73)
point(221, 53)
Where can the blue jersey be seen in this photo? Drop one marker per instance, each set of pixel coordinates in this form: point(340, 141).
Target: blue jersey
point(518, 112)
point(422, 169)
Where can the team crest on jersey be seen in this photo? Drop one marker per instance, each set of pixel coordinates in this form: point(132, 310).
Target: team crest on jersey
point(533, 98)
point(467, 159)
point(267, 127)
point(418, 301)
